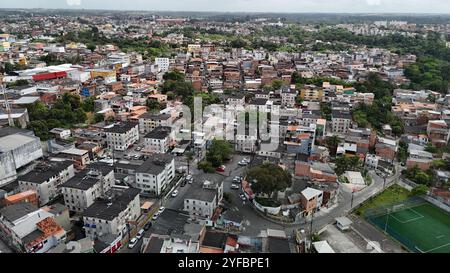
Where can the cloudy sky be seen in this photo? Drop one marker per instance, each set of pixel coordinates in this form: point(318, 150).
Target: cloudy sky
point(360, 6)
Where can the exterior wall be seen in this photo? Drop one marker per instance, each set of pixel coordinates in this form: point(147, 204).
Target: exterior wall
point(156, 183)
point(385, 153)
point(340, 125)
point(95, 227)
point(121, 142)
point(78, 200)
point(199, 208)
point(48, 190)
point(423, 165)
point(158, 146)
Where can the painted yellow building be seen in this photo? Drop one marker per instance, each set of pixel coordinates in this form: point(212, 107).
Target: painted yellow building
point(311, 94)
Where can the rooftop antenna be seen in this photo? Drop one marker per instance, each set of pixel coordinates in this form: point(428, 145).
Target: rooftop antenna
point(7, 106)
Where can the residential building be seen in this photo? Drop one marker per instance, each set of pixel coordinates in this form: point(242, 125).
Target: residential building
point(340, 122)
point(46, 179)
point(155, 174)
point(148, 122)
point(439, 132)
point(121, 136)
point(311, 200)
point(203, 198)
point(159, 140)
point(30, 229)
point(81, 191)
point(112, 213)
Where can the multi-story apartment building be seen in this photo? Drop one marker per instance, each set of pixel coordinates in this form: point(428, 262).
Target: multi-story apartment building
point(288, 97)
point(155, 173)
point(46, 179)
point(202, 199)
point(158, 140)
point(121, 136)
point(112, 213)
point(85, 187)
point(148, 122)
point(163, 64)
point(341, 122)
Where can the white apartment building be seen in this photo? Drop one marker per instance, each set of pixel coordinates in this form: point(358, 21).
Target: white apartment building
point(121, 136)
point(83, 189)
point(155, 174)
point(112, 214)
point(163, 64)
point(202, 199)
point(158, 140)
point(46, 179)
point(148, 122)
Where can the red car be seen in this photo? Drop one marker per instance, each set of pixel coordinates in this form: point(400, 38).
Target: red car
point(221, 169)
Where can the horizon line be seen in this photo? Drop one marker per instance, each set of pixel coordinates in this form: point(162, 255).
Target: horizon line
point(236, 12)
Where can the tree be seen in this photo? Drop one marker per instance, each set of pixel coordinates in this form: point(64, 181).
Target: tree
point(332, 144)
point(277, 84)
point(403, 154)
point(344, 164)
point(99, 118)
point(91, 47)
point(419, 190)
point(189, 156)
point(206, 166)
point(218, 152)
point(153, 105)
point(268, 178)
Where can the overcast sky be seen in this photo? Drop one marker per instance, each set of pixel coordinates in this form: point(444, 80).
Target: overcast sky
point(359, 6)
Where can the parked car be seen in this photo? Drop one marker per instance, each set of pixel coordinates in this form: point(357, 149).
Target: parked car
point(243, 163)
point(133, 242)
point(155, 216)
point(189, 178)
point(242, 197)
point(148, 226)
point(221, 169)
point(138, 149)
point(183, 183)
point(175, 193)
point(246, 159)
point(234, 186)
point(237, 179)
point(161, 210)
point(140, 234)
point(136, 157)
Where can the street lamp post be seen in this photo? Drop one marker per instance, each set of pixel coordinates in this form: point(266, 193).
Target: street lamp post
point(384, 183)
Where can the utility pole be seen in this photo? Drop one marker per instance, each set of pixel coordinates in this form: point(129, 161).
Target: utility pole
point(384, 183)
point(353, 194)
point(312, 220)
point(7, 106)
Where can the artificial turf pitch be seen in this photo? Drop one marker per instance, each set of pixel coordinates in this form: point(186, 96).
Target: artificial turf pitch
point(422, 228)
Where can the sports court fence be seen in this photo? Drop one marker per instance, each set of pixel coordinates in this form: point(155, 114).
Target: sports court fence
point(374, 216)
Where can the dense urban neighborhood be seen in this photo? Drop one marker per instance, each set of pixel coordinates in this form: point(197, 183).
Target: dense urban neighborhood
point(140, 132)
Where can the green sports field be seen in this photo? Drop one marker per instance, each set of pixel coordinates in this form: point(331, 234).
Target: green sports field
point(421, 228)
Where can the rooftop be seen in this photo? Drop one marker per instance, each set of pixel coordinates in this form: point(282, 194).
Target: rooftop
point(108, 209)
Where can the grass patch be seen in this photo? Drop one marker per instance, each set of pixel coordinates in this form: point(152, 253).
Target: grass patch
point(267, 202)
point(391, 195)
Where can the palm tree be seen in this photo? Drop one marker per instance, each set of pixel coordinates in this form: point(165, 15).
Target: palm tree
point(189, 156)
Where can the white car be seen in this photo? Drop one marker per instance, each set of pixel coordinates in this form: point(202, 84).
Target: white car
point(175, 193)
point(234, 186)
point(133, 243)
point(155, 216)
point(161, 209)
point(140, 234)
point(243, 163)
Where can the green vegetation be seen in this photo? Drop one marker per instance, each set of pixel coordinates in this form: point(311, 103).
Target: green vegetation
point(219, 152)
point(379, 113)
point(419, 190)
point(65, 113)
point(391, 195)
point(268, 178)
point(418, 176)
point(345, 163)
point(402, 153)
point(267, 202)
point(206, 166)
point(332, 144)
